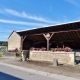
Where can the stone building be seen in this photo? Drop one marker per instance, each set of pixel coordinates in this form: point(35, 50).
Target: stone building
point(67, 34)
point(14, 41)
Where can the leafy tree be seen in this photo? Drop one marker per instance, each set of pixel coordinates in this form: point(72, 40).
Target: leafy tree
point(3, 43)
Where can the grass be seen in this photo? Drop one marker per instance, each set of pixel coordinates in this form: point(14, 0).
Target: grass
point(0, 50)
point(0, 54)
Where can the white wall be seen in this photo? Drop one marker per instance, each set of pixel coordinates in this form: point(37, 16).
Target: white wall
point(14, 41)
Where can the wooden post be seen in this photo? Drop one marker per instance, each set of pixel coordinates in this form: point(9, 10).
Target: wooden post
point(22, 39)
point(21, 42)
point(48, 39)
point(47, 44)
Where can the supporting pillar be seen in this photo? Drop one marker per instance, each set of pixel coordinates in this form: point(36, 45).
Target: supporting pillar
point(47, 45)
point(23, 58)
point(21, 42)
point(48, 36)
point(22, 39)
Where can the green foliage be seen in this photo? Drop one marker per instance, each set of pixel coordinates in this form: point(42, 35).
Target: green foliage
point(0, 50)
point(52, 49)
point(20, 48)
point(0, 55)
point(3, 48)
point(3, 43)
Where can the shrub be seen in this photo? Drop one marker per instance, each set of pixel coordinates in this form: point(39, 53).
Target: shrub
point(66, 49)
point(14, 50)
point(52, 49)
point(43, 49)
point(32, 48)
point(9, 50)
point(0, 55)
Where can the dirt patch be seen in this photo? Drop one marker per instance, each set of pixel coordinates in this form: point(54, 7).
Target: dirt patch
point(67, 70)
point(39, 63)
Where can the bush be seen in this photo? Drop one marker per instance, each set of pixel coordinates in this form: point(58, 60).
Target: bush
point(14, 50)
point(66, 49)
point(0, 55)
point(52, 49)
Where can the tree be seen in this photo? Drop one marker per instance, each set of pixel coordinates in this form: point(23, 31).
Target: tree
point(3, 43)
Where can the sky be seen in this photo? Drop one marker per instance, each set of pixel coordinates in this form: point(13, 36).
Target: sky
point(18, 15)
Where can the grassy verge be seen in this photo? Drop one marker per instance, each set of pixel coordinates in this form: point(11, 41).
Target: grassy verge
point(1, 55)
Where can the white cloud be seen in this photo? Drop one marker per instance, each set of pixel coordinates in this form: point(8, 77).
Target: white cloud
point(1, 11)
point(74, 2)
point(28, 16)
point(21, 22)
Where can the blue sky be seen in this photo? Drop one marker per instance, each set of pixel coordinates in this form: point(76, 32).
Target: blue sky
point(27, 14)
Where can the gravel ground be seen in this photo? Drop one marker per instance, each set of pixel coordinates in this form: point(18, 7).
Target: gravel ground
point(66, 70)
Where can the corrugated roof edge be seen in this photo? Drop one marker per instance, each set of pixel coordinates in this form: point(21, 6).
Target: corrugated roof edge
point(49, 26)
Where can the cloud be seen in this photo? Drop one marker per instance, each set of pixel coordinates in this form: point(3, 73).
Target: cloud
point(25, 15)
point(74, 2)
point(21, 22)
point(1, 11)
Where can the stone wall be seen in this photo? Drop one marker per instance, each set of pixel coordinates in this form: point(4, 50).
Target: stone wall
point(14, 41)
point(63, 57)
point(77, 53)
point(9, 54)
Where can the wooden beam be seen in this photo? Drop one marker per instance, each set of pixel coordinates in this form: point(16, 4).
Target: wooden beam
point(48, 39)
point(51, 36)
point(22, 42)
point(44, 36)
point(78, 34)
point(52, 32)
point(23, 38)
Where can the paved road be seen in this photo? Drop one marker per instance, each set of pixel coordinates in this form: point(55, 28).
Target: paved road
point(8, 73)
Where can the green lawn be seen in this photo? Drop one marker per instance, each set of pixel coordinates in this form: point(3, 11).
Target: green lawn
point(0, 51)
point(0, 55)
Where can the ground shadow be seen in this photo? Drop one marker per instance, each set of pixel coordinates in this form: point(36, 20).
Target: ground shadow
point(4, 76)
point(77, 59)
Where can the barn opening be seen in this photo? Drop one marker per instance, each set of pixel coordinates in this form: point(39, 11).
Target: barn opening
point(65, 34)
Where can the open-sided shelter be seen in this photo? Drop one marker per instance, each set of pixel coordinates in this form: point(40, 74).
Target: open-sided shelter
point(67, 34)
